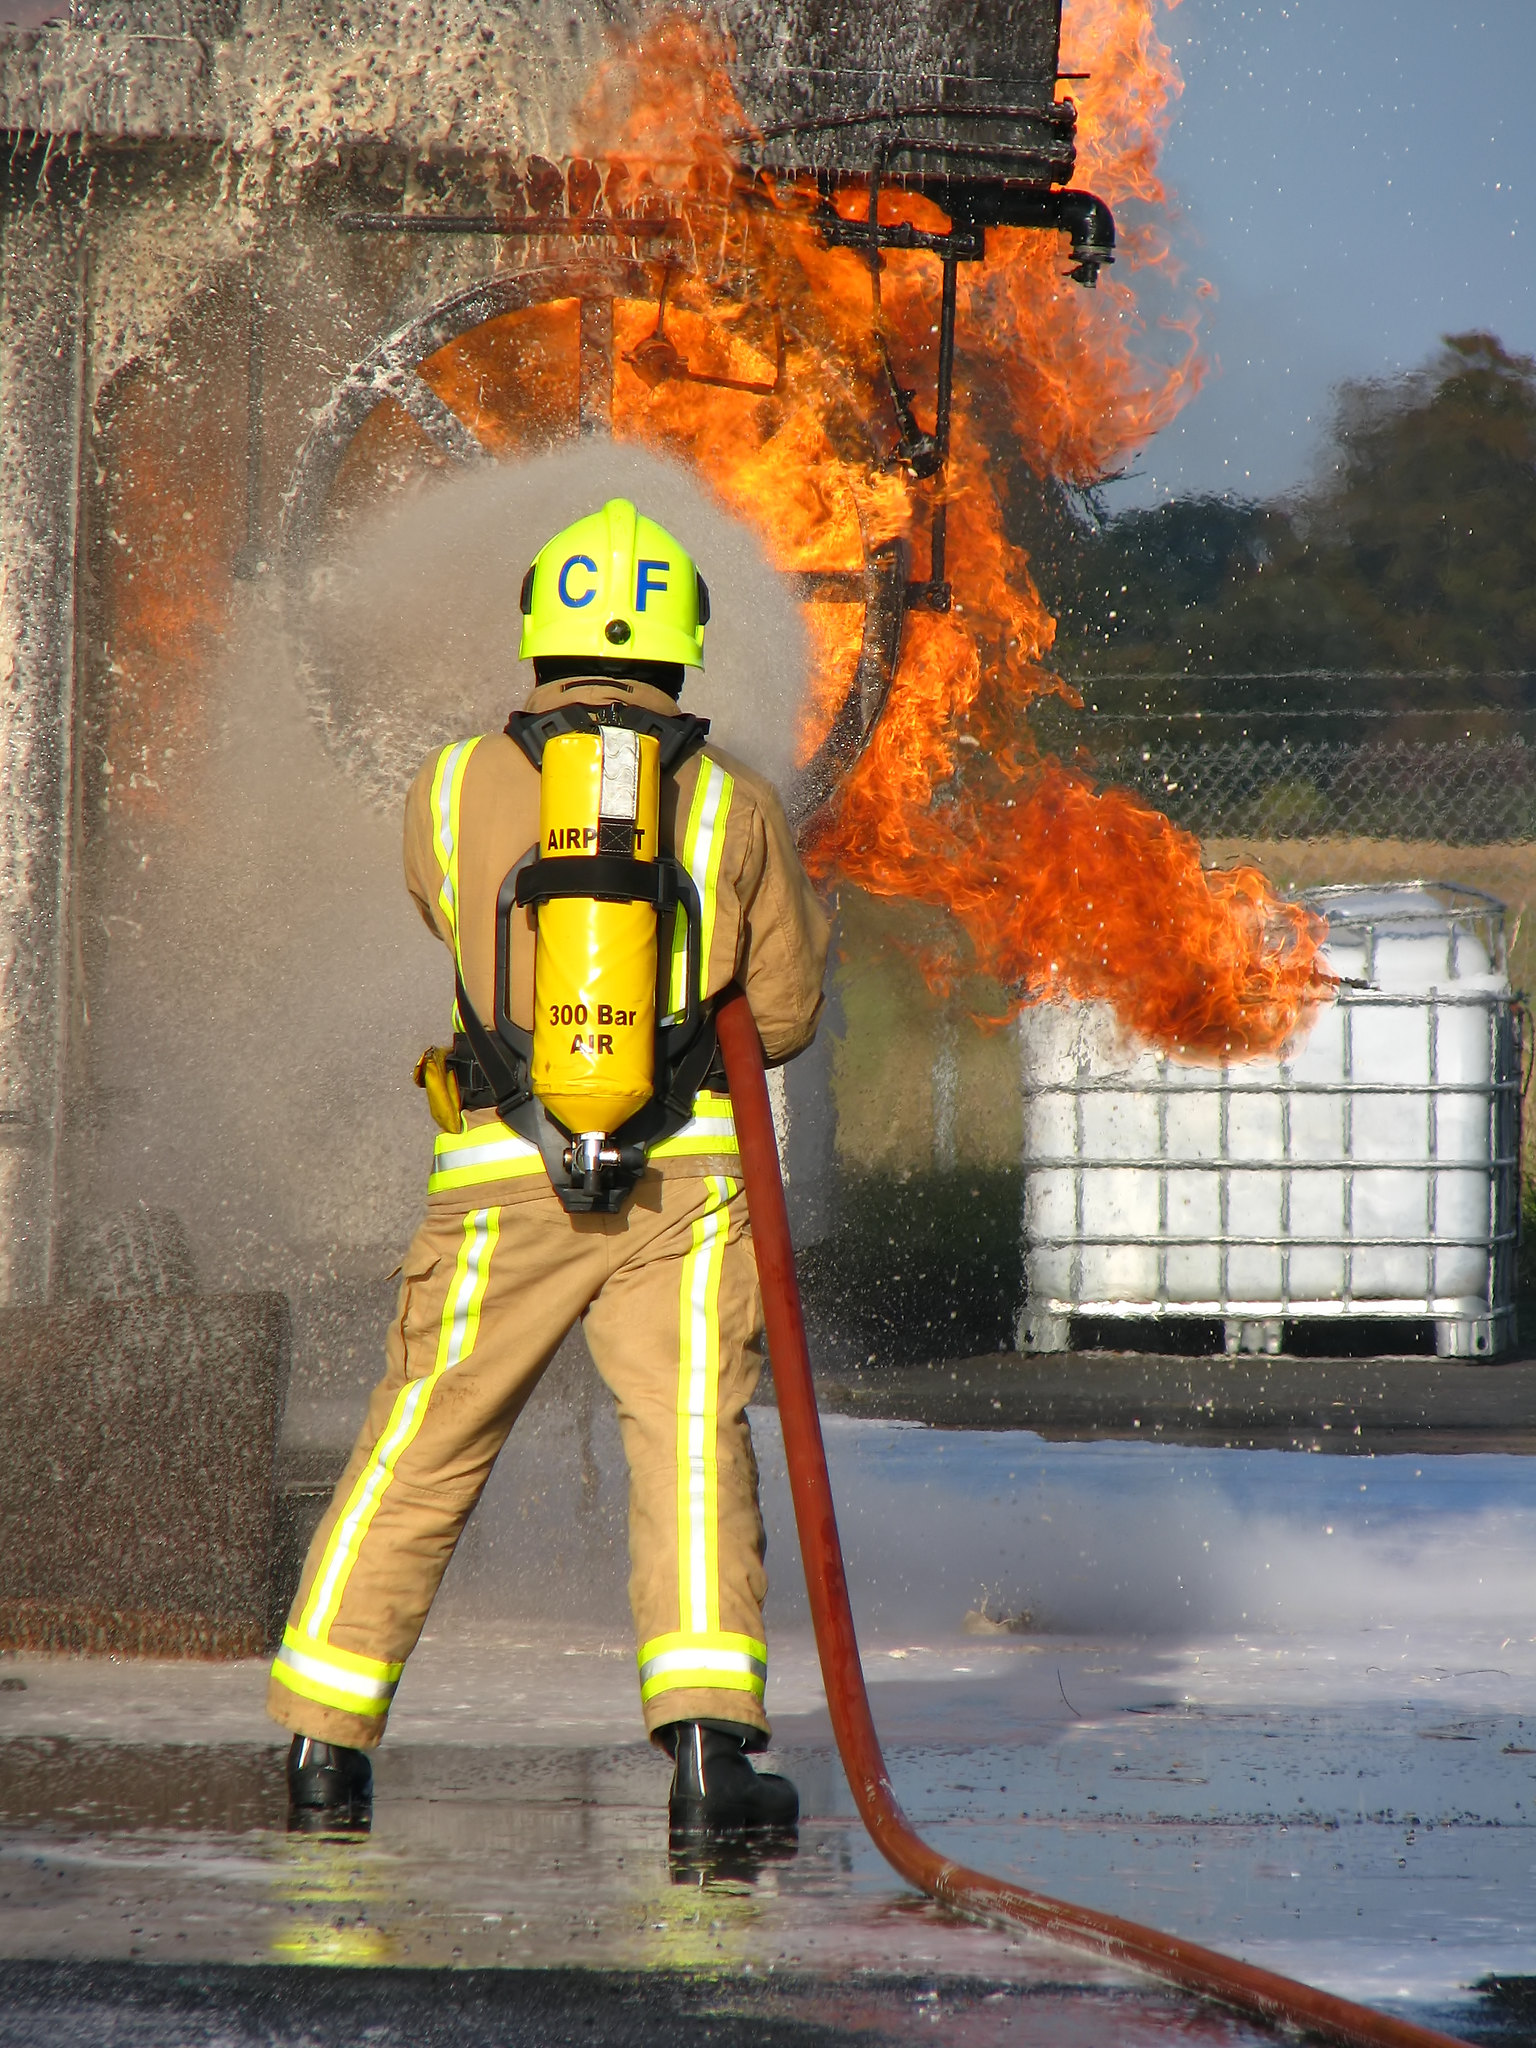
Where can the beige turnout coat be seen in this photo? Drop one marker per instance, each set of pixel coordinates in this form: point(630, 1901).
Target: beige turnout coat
point(497, 1273)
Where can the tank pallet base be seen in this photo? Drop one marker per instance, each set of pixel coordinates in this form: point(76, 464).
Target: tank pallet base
point(1455, 1336)
point(1052, 1329)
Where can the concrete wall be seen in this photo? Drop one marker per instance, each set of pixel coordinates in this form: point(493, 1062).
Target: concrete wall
point(141, 1438)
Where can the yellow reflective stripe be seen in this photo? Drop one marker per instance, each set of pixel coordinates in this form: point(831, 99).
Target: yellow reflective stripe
point(490, 1152)
point(703, 1678)
point(357, 1685)
point(717, 1661)
point(711, 1129)
point(747, 1647)
point(697, 1413)
point(696, 1142)
point(703, 844)
point(447, 789)
point(456, 1340)
point(485, 1152)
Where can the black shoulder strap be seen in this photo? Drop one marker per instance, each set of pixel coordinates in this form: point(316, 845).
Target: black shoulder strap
point(678, 736)
point(505, 1069)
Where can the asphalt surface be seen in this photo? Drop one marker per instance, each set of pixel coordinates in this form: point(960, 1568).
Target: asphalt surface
point(44, 2005)
point(1338, 1405)
point(1285, 1706)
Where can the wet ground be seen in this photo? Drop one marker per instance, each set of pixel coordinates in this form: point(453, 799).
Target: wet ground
point(1283, 1705)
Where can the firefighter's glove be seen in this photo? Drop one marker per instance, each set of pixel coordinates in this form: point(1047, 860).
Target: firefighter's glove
point(442, 1085)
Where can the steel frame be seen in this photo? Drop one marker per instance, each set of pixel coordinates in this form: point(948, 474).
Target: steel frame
point(390, 370)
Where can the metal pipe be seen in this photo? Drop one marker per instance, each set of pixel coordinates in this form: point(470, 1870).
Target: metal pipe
point(629, 227)
point(1273, 2000)
point(946, 384)
point(594, 401)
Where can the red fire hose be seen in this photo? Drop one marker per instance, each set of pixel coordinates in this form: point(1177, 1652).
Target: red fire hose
point(1277, 2001)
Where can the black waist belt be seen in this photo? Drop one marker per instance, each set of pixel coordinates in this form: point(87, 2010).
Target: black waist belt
point(476, 1092)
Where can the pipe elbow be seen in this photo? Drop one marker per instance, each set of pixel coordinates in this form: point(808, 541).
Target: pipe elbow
point(1085, 217)
point(1082, 215)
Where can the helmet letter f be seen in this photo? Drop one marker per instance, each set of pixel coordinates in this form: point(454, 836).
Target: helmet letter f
point(646, 582)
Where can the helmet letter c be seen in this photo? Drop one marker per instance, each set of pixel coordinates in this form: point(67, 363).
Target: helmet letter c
point(566, 598)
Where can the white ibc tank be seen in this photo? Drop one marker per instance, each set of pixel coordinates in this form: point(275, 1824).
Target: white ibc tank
point(1372, 1172)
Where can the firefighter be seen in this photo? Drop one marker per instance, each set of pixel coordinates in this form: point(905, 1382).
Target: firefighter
point(631, 1220)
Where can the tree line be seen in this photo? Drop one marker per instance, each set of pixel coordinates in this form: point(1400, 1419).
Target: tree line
point(1414, 548)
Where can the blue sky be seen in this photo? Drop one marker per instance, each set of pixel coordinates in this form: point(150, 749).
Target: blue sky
point(1356, 178)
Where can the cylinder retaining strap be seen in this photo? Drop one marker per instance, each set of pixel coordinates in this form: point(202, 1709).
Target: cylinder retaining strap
point(608, 877)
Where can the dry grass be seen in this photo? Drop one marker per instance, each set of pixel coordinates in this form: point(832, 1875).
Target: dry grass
point(1508, 872)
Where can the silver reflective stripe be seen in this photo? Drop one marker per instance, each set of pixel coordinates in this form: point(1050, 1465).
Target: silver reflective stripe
point(336, 1676)
point(703, 843)
point(448, 1158)
point(700, 1393)
point(704, 856)
point(469, 1292)
point(702, 1660)
point(449, 765)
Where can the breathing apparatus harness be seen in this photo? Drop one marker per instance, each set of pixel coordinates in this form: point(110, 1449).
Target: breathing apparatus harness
point(594, 1172)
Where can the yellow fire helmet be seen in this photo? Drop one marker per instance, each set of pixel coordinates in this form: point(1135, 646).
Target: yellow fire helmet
point(615, 585)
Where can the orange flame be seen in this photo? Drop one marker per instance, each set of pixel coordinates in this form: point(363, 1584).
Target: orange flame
point(163, 583)
point(1056, 888)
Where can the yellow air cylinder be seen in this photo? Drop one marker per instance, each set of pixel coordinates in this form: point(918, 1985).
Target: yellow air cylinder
point(594, 976)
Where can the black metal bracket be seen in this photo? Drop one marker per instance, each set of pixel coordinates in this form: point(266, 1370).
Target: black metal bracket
point(963, 243)
point(973, 207)
point(922, 454)
point(657, 359)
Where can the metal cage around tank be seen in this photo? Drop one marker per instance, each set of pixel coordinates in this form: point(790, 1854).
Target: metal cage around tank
point(1372, 1174)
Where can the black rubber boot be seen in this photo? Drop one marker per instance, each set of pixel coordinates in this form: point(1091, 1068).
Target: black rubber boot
point(330, 1788)
point(715, 1790)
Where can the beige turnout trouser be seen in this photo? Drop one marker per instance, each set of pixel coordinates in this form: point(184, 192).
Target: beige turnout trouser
point(494, 1279)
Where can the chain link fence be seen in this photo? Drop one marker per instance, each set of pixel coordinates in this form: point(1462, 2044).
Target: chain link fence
point(1459, 775)
point(1457, 792)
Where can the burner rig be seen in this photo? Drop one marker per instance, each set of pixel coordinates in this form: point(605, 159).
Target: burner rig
point(959, 107)
point(244, 250)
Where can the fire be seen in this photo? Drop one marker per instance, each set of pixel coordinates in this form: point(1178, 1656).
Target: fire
point(1052, 886)
point(1056, 888)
